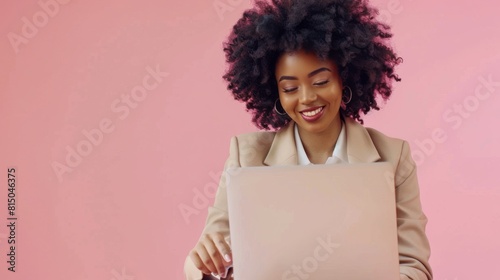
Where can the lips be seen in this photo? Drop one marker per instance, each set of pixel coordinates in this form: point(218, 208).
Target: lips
point(312, 114)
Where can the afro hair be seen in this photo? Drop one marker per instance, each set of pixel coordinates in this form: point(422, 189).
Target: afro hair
point(345, 31)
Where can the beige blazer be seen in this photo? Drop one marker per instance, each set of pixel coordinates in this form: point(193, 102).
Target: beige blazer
point(364, 145)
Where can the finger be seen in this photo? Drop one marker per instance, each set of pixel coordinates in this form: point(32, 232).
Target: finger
point(207, 259)
point(229, 275)
point(216, 257)
point(223, 248)
point(198, 262)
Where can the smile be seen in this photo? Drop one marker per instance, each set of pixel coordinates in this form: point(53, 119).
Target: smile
point(312, 113)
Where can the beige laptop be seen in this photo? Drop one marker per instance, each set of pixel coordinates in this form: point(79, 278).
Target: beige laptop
point(334, 221)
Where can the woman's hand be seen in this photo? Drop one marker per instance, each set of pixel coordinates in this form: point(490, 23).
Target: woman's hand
point(212, 254)
point(404, 277)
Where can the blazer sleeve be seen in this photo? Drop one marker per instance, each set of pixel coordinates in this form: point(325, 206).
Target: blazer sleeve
point(217, 218)
point(414, 248)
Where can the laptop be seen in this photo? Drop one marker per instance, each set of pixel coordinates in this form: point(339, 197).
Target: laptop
point(329, 221)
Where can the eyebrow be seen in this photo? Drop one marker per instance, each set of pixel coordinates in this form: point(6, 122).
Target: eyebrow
point(308, 75)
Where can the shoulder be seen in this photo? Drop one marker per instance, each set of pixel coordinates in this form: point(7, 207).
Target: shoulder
point(252, 148)
point(394, 150)
point(259, 138)
point(385, 144)
point(362, 138)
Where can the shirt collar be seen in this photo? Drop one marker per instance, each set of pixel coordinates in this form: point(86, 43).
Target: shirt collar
point(339, 154)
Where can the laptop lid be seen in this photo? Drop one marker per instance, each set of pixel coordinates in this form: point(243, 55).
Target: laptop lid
point(333, 221)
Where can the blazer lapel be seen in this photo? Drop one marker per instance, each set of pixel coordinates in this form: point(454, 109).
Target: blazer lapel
point(360, 147)
point(283, 150)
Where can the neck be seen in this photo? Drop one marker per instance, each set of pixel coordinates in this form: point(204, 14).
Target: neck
point(320, 145)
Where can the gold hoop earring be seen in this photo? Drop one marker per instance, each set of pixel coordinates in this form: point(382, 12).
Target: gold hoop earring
point(276, 110)
point(344, 102)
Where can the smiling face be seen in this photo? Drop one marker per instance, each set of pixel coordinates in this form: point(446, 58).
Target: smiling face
point(310, 91)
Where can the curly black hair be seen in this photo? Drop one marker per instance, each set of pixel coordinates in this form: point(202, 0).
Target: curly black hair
point(345, 31)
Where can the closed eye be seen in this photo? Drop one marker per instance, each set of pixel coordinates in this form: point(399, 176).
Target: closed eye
point(285, 90)
point(321, 83)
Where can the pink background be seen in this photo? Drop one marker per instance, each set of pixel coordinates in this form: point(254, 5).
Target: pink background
point(117, 215)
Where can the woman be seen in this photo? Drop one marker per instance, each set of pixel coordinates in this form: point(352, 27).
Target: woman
point(308, 69)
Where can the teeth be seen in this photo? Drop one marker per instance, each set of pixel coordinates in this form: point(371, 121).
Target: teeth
point(312, 113)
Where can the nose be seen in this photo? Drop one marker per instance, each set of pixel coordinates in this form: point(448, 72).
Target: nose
point(307, 95)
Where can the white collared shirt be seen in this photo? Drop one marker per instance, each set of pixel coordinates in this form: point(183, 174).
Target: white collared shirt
point(339, 154)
